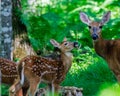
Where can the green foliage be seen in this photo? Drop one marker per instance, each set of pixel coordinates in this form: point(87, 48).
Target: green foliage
point(4, 90)
point(57, 19)
point(46, 19)
point(89, 73)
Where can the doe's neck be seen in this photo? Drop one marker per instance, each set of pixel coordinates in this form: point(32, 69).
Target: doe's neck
point(100, 46)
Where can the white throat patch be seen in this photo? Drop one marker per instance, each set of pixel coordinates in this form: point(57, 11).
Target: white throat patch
point(69, 54)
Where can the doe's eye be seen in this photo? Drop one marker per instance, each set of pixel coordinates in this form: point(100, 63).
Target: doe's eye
point(100, 26)
point(89, 27)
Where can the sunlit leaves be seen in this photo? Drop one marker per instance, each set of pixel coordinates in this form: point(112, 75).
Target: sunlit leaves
point(108, 89)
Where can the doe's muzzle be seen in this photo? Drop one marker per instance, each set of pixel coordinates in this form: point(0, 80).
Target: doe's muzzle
point(94, 36)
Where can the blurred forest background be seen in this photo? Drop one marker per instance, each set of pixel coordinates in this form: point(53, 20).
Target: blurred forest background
point(46, 19)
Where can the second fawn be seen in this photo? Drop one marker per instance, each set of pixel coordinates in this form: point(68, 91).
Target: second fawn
point(8, 71)
point(108, 49)
point(9, 74)
point(35, 69)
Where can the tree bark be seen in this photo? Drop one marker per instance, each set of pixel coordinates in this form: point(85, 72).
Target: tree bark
point(21, 43)
point(6, 29)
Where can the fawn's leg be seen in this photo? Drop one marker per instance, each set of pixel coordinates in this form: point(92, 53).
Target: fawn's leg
point(34, 82)
point(51, 89)
point(25, 87)
point(19, 93)
point(55, 89)
point(15, 89)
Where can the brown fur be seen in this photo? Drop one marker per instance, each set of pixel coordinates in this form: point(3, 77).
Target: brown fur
point(16, 87)
point(108, 49)
point(8, 70)
point(9, 73)
point(50, 71)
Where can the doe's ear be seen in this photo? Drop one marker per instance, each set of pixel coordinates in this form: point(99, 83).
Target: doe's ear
point(54, 43)
point(84, 18)
point(106, 17)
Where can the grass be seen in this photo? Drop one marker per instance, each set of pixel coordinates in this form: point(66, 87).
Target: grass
point(91, 73)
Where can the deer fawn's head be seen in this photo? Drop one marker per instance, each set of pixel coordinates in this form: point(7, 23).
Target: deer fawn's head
point(65, 46)
point(95, 27)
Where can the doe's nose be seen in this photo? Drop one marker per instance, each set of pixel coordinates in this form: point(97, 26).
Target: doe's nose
point(94, 36)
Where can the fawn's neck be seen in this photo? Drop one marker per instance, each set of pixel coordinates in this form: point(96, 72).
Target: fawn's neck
point(67, 60)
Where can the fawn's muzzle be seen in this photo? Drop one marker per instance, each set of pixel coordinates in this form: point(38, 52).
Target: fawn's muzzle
point(76, 45)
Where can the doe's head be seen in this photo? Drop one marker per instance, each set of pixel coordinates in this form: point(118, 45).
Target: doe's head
point(95, 27)
point(65, 46)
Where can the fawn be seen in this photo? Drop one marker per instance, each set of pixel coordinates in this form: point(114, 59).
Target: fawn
point(8, 70)
point(108, 49)
point(9, 73)
point(35, 69)
point(16, 87)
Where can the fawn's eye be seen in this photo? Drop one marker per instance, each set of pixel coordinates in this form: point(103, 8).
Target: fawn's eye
point(66, 43)
point(100, 27)
point(89, 27)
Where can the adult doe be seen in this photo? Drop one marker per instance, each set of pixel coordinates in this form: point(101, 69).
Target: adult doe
point(108, 49)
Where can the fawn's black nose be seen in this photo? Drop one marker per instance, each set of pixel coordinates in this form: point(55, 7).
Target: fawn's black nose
point(76, 44)
point(94, 36)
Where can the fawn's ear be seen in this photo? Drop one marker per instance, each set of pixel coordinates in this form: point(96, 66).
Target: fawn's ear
point(84, 18)
point(106, 17)
point(65, 39)
point(54, 43)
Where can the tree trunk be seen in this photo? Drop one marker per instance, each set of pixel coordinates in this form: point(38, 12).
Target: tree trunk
point(6, 29)
point(22, 46)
